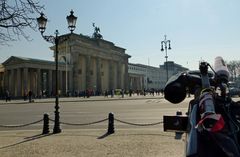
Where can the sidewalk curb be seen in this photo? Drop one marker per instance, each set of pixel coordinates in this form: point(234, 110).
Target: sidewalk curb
point(80, 100)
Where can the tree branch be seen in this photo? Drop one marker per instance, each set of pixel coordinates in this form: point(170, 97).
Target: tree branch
point(15, 17)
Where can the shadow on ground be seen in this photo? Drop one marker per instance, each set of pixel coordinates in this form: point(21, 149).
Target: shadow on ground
point(27, 139)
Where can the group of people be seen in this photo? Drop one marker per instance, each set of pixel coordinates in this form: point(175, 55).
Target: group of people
point(114, 92)
point(27, 95)
point(85, 93)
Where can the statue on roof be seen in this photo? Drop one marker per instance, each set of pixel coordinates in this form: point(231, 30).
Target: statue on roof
point(96, 33)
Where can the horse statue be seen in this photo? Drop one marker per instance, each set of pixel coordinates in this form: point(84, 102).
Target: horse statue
point(96, 33)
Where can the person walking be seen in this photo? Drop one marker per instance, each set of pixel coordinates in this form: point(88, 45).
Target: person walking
point(112, 93)
point(30, 96)
point(122, 92)
point(7, 96)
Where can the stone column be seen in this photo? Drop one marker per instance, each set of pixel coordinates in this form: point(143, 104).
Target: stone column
point(141, 83)
point(19, 83)
point(70, 81)
point(126, 84)
point(50, 81)
point(130, 82)
point(12, 83)
point(66, 78)
point(99, 85)
point(39, 81)
point(88, 75)
point(6, 80)
point(25, 79)
point(9, 82)
point(119, 75)
point(31, 79)
point(110, 62)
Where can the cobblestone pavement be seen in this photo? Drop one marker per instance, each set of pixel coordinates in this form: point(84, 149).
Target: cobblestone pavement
point(124, 142)
point(90, 143)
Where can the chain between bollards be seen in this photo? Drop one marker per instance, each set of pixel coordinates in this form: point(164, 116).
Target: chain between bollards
point(110, 119)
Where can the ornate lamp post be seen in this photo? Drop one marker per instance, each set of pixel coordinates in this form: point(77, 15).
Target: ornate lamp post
point(42, 22)
point(165, 47)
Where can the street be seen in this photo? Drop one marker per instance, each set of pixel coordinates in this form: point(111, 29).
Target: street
point(91, 140)
point(140, 111)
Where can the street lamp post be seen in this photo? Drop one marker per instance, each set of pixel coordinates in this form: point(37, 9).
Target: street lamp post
point(42, 22)
point(165, 47)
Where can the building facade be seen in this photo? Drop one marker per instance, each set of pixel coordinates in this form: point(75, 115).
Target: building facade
point(145, 77)
point(173, 68)
point(149, 77)
point(84, 64)
point(19, 75)
point(97, 64)
point(137, 76)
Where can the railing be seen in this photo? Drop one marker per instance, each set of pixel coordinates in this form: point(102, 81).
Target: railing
point(110, 120)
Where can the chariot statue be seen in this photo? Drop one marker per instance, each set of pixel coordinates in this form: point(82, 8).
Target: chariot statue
point(96, 33)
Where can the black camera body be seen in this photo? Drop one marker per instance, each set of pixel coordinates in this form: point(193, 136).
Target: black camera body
point(212, 123)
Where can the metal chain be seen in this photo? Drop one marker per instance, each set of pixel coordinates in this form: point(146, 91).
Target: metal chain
point(65, 123)
point(129, 123)
point(22, 125)
point(51, 120)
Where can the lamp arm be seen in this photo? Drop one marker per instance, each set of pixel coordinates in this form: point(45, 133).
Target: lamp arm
point(50, 38)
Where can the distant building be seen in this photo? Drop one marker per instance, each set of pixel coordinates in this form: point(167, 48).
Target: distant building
point(145, 77)
point(149, 77)
point(173, 68)
point(137, 76)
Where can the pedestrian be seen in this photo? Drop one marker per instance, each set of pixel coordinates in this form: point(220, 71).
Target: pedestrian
point(106, 93)
point(7, 96)
point(130, 92)
point(162, 91)
point(40, 94)
point(88, 93)
point(30, 95)
point(122, 92)
point(112, 93)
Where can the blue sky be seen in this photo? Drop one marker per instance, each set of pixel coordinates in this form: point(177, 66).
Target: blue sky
point(198, 29)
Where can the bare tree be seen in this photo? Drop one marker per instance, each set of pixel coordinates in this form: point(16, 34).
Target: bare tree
point(15, 17)
point(234, 67)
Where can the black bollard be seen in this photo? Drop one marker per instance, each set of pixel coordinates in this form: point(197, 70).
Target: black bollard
point(178, 135)
point(45, 124)
point(110, 123)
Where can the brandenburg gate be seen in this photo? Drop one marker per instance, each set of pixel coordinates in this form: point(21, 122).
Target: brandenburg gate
point(85, 63)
